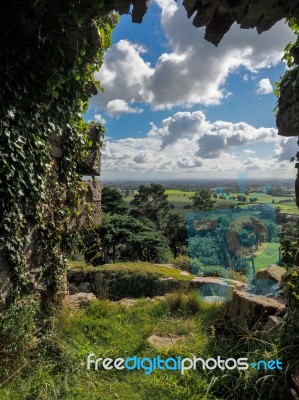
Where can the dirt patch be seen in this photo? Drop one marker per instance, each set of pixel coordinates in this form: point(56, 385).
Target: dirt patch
point(163, 341)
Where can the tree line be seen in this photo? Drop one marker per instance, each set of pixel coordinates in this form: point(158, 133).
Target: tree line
point(147, 230)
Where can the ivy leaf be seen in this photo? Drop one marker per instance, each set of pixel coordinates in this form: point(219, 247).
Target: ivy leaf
point(11, 114)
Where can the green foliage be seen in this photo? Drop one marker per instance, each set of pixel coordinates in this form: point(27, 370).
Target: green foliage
point(290, 331)
point(288, 234)
point(202, 201)
point(182, 262)
point(164, 271)
point(291, 53)
point(291, 50)
point(123, 237)
point(17, 333)
point(110, 330)
point(175, 233)
point(112, 201)
point(147, 233)
point(52, 50)
point(184, 304)
point(121, 284)
point(212, 270)
point(293, 285)
point(91, 246)
point(51, 53)
point(204, 249)
point(151, 203)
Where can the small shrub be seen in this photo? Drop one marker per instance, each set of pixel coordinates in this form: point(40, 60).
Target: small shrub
point(18, 332)
point(182, 262)
point(191, 304)
point(199, 268)
point(184, 304)
point(237, 275)
point(175, 301)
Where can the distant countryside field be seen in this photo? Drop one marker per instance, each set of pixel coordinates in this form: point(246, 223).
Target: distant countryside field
point(180, 199)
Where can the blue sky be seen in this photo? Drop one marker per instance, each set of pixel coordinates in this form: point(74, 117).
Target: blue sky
point(175, 106)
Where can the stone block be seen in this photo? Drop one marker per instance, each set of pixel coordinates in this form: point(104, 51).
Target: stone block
point(139, 10)
point(218, 15)
point(272, 327)
point(269, 280)
point(80, 299)
point(247, 311)
point(93, 192)
point(92, 165)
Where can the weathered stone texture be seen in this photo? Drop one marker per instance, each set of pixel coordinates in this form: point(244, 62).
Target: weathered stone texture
point(93, 197)
point(273, 272)
point(138, 11)
point(269, 280)
point(272, 328)
point(92, 165)
point(78, 300)
point(246, 311)
point(219, 15)
point(287, 119)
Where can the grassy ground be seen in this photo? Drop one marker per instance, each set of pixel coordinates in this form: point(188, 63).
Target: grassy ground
point(267, 254)
point(159, 269)
point(58, 371)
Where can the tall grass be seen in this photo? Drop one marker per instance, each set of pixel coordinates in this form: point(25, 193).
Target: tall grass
point(56, 370)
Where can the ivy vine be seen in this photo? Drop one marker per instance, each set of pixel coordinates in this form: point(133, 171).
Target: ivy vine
point(50, 53)
point(291, 76)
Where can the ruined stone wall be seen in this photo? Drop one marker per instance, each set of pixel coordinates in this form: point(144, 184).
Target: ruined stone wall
point(219, 15)
point(90, 167)
point(89, 212)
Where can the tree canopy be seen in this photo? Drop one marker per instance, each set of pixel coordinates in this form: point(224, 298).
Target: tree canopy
point(202, 201)
point(112, 201)
point(151, 202)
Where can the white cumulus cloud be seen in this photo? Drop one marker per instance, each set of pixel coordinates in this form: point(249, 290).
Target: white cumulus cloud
point(210, 138)
point(264, 86)
point(119, 106)
point(190, 146)
point(286, 148)
point(100, 119)
point(193, 71)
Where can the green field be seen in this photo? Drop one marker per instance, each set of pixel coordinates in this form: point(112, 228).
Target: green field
point(269, 254)
point(180, 198)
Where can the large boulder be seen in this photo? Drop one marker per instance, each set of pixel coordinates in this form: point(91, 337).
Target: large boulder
point(248, 311)
point(212, 287)
point(268, 281)
point(216, 287)
point(78, 300)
